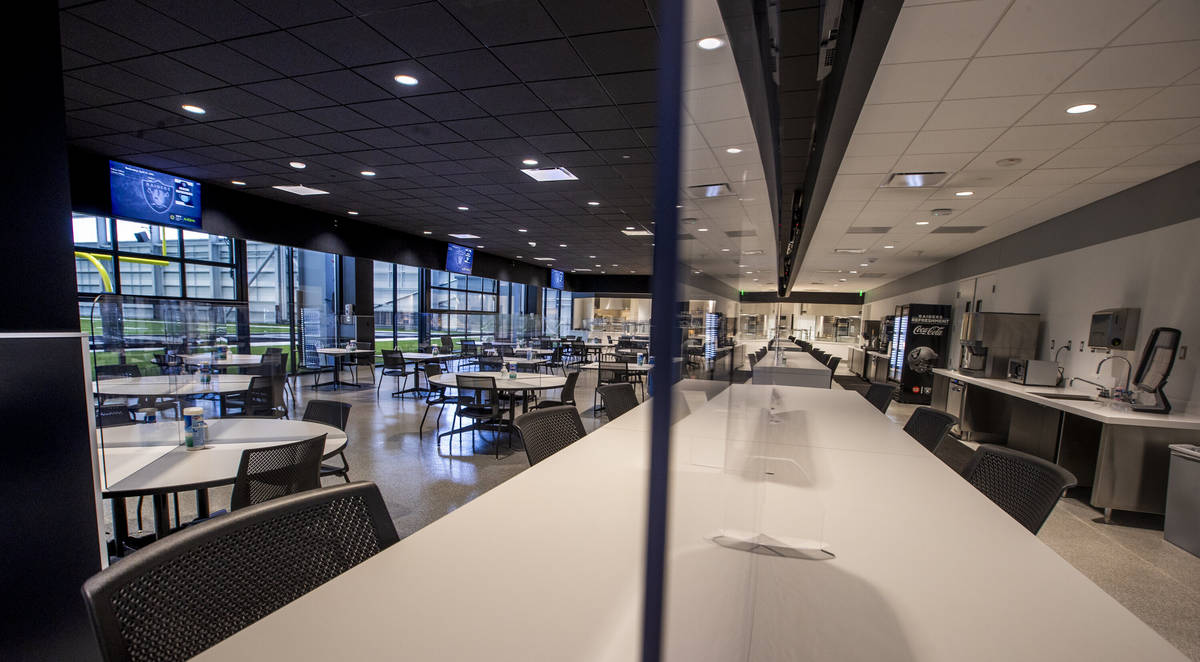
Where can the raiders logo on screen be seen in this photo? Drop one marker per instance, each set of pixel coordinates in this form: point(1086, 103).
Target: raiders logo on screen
point(158, 195)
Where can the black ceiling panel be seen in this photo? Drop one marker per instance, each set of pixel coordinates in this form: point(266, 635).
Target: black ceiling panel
point(613, 52)
point(170, 73)
point(111, 77)
point(446, 106)
point(542, 60)
point(506, 99)
point(74, 59)
point(140, 23)
point(350, 41)
point(96, 42)
point(288, 94)
point(390, 112)
point(428, 134)
point(284, 53)
point(510, 21)
point(287, 13)
point(571, 93)
point(423, 30)
point(344, 86)
point(632, 87)
point(340, 118)
point(479, 129)
point(225, 63)
point(588, 17)
point(533, 124)
point(469, 69)
point(217, 19)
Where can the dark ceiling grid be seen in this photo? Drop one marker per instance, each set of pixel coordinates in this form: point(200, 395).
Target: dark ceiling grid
point(569, 83)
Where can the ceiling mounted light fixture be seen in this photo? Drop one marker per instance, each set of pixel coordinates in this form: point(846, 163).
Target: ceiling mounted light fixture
point(367, 173)
point(733, 150)
point(298, 165)
point(428, 232)
point(550, 174)
point(710, 43)
point(464, 235)
point(562, 245)
point(922, 222)
point(701, 229)
point(1082, 108)
point(404, 79)
point(530, 162)
point(522, 230)
point(301, 190)
point(533, 243)
point(352, 213)
point(238, 182)
point(965, 194)
point(195, 110)
point(463, 208)
point(593, 203)
point(889, 246)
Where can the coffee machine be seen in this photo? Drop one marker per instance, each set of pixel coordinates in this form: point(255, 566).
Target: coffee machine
point(989, 340)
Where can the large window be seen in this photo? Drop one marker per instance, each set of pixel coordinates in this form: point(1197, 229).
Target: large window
point(462, 306)
point(141, 259)
point(397, 305)
point(556, 312)
point(268, 288)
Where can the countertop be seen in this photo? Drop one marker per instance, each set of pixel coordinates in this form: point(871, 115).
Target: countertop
point(1110, 412)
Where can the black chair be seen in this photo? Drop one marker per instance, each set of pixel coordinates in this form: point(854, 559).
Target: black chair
point(335, 413)
point(394, 365)
point(490, 363)
point(928, 425)
point(353, 362)
point(276, 471)
point(479, 402)
point(108, 416)
point(470, 354)
point(609, 372)
point(436, 396)
point(881, 395)
point(258, 400)
point(118, 370)
point(555, 360)
point(547, 431)
point(186, 593)
point(447, 343)
point(567, 397)
point(1025, 486)
point(618, 399)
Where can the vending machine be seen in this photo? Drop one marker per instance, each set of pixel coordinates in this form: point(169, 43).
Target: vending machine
point(919, 344)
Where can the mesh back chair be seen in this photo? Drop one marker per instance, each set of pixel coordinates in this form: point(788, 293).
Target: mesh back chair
point(547, 431)
point(555, 360)
point(108, 416)
point(335, 413)
point(832, 364)
point(394, 365)
point(490, 363)
point(480, 402)
point(507, 350)
point(928, 425)
point(168, 364)
point(753, 360)
point(568, 393)
point(1024, 486)
point(118, 370)
point(188, 592)
point(436, 396)
point(353, 362)
point(880, 395)
point(447, 343)
point(609, 371)
point(618, 399)
point(275, 471)
point(470, 354)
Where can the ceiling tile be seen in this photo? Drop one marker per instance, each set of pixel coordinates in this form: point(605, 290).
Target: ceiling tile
point(506, 22)
point(933, 162)
point(980, 113)
point(893, 117)
point(139, 23)
point(1012, 75)
point(532, 124)
point(1036, 26)
point(953, 140)
point(859, 165)
point(541, 60)
point(1169, 20)
point(425, 29)
point(218, 19)
point(1077, 157)
point(93, 40)
point(1131, 173)
point(878, 144)
point(349, 41)
point(1153, 65)
point(942, 32)
point(570, 93)
point(288, 94)
point(1142, 132)
point(339, 118)
point(1109, 105)
point(1029, 158)
point(588, 17)
point(284, 53)
point(1057, 176)
point(626, 50)
point(171, 73)
point(469, 69)
point(715, 103)
point(1176, 101)
point(632, 87)
point(1043, 137)
point(446, 106)
point(225, 63)
point(1167, 155)
point(924, 81)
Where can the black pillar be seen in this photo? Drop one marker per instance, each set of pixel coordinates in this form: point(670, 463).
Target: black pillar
point(47, 496)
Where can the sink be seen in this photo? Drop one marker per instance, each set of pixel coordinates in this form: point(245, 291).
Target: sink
point(1064, 396)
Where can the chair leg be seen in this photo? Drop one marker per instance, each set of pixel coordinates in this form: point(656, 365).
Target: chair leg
point(346, 466)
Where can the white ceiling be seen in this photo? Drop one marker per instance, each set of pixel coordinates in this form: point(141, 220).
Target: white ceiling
point(965, 84)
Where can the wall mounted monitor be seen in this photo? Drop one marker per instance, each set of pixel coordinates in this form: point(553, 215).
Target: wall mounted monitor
point(557, 280)
point(459, 259)
point(139, 194)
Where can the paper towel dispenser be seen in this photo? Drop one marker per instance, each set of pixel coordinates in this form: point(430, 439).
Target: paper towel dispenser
point(1114, 328)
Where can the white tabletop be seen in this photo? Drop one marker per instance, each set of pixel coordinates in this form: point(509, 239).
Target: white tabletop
point(525, 381)
point(229, 360)
point(926, 567)
point(535, 350)
point(515, 360)
point(147, 458)
point(799, 370)
point(430, 356)
point(166, 386)
point(338, 351)
point(1107, 411)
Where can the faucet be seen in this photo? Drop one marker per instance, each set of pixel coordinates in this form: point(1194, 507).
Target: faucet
point(1103, 389)
point(1060, 349)
point(1128, 372)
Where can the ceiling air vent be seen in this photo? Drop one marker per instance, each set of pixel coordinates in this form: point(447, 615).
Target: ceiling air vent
point(868, 229)
point(710, 190)
point(850, 251)
point(741, 233)
point(915, 179)
point(957, 229)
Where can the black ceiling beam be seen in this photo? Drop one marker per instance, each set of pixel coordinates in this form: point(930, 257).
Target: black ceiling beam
point(864, 30)
point(803, 297)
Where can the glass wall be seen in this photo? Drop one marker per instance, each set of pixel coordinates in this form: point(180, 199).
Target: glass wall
point(397, 297)
point(463, 307)
point(557, 312)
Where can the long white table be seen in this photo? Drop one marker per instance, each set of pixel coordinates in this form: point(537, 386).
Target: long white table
point(799, 369)
point(925, 568)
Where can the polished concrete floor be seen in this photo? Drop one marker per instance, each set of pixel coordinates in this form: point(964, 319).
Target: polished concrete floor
point(422, 480)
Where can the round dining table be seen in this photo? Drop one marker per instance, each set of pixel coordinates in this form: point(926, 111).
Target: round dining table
point(148, 459)
point(230, 360)
point(524, 383)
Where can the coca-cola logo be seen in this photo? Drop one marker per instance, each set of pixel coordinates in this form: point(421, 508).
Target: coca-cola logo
point(928, 330)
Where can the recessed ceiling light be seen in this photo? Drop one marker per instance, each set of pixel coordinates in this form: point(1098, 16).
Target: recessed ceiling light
point(405, 79)
point(889, 246)
point(238, 182)
point(463, 208)
point(842, 280)
point(562, 245)
point(522, 230)
point(922, 222)
point(520, 256)
point(549, 174)
point(749, 273)
point(756, 280)
point(853, 271)
point(428, 232)
point(464, 235)
point(710, 43)
point(743, 265)
point(864, 264)
point(298, 165)
point(592, 256)
point(195, 110)
point(614, 265)
point(545, 259)
point(301, 190)
point(701, 229)
point(533, 243)
point(367, 173)
point(695, 272)
point(628, 227)
point(626, 156)
point(593, 203)
point(965, 194)
point(530, 162)
point(734, 150)
point(724, 250)
point(637, 233)
point(479, 246)
point(352, 213)
point(1082, 108)
point(598, 265)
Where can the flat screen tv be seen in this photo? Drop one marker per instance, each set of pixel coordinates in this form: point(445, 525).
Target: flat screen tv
point(139, 194)
point(556, 279)
point(459, 258)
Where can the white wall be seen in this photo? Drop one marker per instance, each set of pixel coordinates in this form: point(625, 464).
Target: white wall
point(1157, 271)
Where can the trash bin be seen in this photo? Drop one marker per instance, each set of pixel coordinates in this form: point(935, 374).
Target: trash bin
point(1182, 525)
